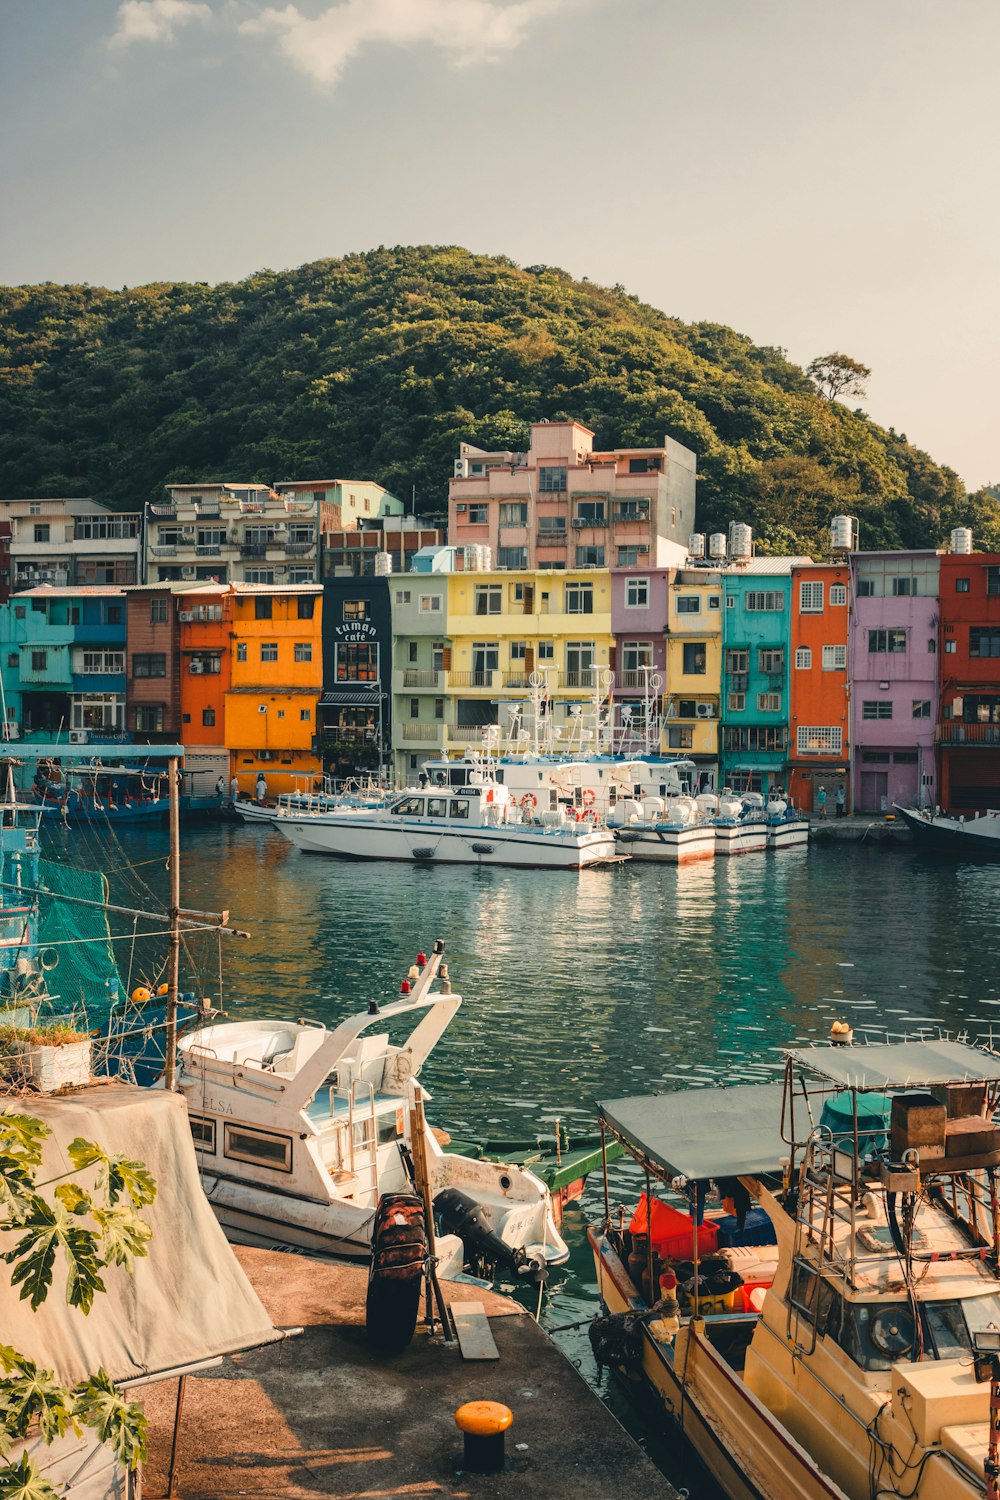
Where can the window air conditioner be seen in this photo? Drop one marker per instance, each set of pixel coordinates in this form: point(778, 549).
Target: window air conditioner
point(704, 711)
point(461, 509)
point(78, 736)
point(197, 668)
point(187, 572)
point(186, 616)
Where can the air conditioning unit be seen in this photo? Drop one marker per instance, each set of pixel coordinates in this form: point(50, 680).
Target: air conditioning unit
point(280, 530)
point(461, 468)
point(704, 711)
point(79, 736)
point(186, 616)
point(187, 572)
point(460, 510)
point(642, 547)
point(197, 667)
point(11, 730)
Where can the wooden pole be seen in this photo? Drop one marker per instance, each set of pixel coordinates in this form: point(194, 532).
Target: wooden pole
point(172, 1471)
point(418, 1144)
point(170, 1038)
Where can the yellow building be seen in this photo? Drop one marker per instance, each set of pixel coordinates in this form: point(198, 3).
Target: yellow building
point(692, 692)
point(502, 627)
point(277, 678)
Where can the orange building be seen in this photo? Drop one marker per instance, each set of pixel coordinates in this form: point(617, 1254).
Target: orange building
point(819, 750)
point(277, 679)
point(205, 622)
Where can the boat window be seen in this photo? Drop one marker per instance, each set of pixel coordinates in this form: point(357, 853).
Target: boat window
point(260, 1147)
point(202, 1132)
point(812, 1302)
point(363, 1134)
point(410, 807)
point(459, 809)
point(437, 807)
point(878, 1335)
point(390, 1127)
point(947, 1329)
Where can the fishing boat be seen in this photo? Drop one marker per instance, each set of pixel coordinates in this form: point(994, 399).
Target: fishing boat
point(479, 823)
point(300, 1130)
point(833, 1329)
point(563, 1162)
point(673, 830)
point(365, 793)
point(740, 826)
point(95, 792)
point(786, 827)
point(977, 835)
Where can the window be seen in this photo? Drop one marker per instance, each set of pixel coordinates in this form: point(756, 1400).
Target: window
point(838, 593)
point(628, 557)
point(755, 737)
point(355, 609)
point(736, 702)
point(694, 658)
point(39, 661)
point(902, 587)
point(306, 606)
point(638, 465)
point(984, 640)
point(478, 515)
point(459, 808)
point(42, 532)
point(261, 1147)
point(517, 650)
point(591, 513)
point(250, 575)
point(149, 718)
point(546, 650)
point(269, 651)
point(688, 604)
point(803, 659)
point(961, 585)
point(771, 661)
point(768, 703)
point(152, 664)
point(412, 650)
point(866, 588)
point(993, 581)
point(823, 740)
point(769, 603)
point(737, 661)
point(105, 661)
point(305, 714)
point(811, 598)
point(439, 708)
point(262, 609)
point(357, 663)
point(157, 611)
point(208, 718)
point(631, 510)
point(876, 709)
point(921, 708)
point(590, 557)
point(552, 479)
point(551, 525)
point(414, 708)
point(834, 658)
point(950, 648)
point(932, 646)
point(637, 593)
point(512, 557)
point(579, 598)
point(890, 642)
point(241, 650)
point(303, 651)
point(680, 738)
point(211, 536)
point(714, 601)
point(202, 1132)
point(513, 513)
point(114, 614)
point(579, 663)
point(488, 598)
point(430, 604)
point(636, 655)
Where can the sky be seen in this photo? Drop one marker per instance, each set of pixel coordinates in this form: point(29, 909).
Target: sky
point(820, 174)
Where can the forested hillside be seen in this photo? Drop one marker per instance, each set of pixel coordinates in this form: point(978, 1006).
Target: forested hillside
point(377, 365)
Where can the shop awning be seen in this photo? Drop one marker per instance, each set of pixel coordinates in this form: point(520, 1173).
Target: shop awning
point(352, 698)
point(703, 1133)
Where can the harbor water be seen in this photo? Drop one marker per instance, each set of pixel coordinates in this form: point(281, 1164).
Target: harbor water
point(623, 980)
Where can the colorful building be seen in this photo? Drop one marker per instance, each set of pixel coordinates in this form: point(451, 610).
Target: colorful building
point(421, 659)
point(71, 543)
point(227, 533)
point(638, 658)
point(354, 552)
point(819, 696)
point(893, 673)
point(205, 642)
point(756, 635)
point(968, 730)
point(564, 504)
point(692, 701)
point(153, 688)
point(355, 717)
point(70, 645)
point(277, 677)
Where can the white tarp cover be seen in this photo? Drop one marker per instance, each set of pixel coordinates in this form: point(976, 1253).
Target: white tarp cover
point(188, 1300)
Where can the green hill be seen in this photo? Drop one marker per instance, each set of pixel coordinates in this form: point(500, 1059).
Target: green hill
point(377, 365)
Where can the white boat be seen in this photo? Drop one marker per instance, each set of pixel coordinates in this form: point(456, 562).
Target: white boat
point(978, 835)
point(739, 823)
point(670, 830)
point(300, 1130)
point(786, 828)
point(477, 824)
point(364, 793)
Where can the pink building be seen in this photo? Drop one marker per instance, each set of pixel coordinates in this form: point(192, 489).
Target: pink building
point(565, 505)
point(640, 604)
point(893, 675)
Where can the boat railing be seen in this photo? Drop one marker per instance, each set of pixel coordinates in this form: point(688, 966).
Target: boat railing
point(348, 1093)
point(231, 1070)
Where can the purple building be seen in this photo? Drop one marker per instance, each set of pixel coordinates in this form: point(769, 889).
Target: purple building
point(893, 672)
point(639, 611)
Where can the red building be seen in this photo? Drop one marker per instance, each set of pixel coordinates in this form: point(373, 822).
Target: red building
point(819, 754)
point(969, 658)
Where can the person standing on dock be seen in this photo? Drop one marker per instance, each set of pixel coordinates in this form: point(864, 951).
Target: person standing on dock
point(261, 787)
point(821, 801)
point(840, 800)
point(234, 788)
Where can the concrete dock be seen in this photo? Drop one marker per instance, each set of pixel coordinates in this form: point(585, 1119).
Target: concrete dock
point(859, 828)
point(325, 1414)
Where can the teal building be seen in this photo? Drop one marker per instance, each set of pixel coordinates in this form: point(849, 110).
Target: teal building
point(62, 652)
point(756, 635)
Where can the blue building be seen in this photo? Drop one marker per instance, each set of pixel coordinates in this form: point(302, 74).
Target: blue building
point(756, 635)
point(63, 662)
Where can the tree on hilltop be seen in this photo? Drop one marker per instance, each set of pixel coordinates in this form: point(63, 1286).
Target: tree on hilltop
point(838, 375)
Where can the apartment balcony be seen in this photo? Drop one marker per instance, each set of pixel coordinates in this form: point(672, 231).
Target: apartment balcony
point(164, 551)
point(164, 512)
point(634, 680)
point(589, 523)
point(956, 733)
point(481, 680)
point(550, 539)
point(519, 680)
point(584, 679)
point(413, 677)
point(300, 549)
point(464, 734)
point(426, 733)
point(205, 551)
point(257, 550)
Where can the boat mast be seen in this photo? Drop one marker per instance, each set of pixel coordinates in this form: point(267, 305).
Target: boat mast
point(170, 1041)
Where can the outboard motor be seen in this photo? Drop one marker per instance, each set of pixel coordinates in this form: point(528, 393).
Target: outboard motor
point(459, 1214)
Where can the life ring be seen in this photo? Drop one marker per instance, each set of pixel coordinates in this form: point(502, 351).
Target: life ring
point(529, 802)
point(589, 796)
point(589, 816)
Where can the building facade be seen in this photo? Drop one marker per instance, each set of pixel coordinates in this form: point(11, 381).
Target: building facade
point(276, 681)
point(232, 533)
point(153, 688)
point(819, 697)
point(355, 709)
point(353, 553)
point(71, 542)
point(638, 655)
point(344, 504)
point(968, 730)
point(421, 660)
point(756, 635)
point(692, 700)
point(70, 646)
point(893, 671)
point(205, 643)
point(565, 505)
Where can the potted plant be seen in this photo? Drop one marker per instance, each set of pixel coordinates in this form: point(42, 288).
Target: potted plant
point(53, 1055)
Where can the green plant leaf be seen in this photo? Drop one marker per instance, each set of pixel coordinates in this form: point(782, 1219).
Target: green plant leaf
point(123, 1234)
point(35, 1396)
point(84, 1153)
point(117, 1421)
point(73, 1199)
point(22, 1481)
point(23, 1134)
point(33, 1257)
point(118, 1174)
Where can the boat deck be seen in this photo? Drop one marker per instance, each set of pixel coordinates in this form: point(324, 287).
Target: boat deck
point(327, 1415)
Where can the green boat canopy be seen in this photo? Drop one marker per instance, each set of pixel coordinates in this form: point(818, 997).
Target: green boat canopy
point(899, 1065)
point(703, 1133)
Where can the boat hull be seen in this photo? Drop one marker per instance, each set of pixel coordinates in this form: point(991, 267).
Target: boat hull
point(347, 838)
point(949, 836)
point(671, 846)
point(739, 838)
point(791, 834)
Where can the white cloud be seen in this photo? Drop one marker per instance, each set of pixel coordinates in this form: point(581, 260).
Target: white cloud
point(470, 30)
point(155, 20)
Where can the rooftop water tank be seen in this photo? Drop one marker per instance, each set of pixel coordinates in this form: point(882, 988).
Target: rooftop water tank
point(696, 544)
point(843, 534)
point(740, 541)
point(717, 544)
point(383, 564)
point(961, 539)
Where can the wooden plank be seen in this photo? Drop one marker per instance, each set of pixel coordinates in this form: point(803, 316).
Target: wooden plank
point(473, 1329)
